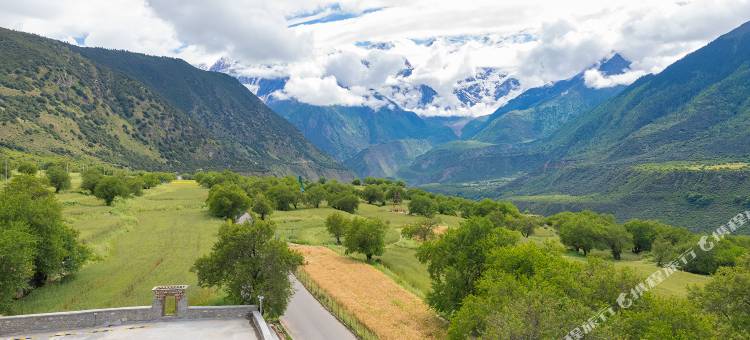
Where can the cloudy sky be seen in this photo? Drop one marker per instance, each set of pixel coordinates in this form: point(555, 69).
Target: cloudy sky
point(320, 45)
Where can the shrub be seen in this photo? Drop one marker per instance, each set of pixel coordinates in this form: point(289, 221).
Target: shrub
point(422, 205)
point(110, 187)
point(373, 193)
point(346, 202)
point(424, 229)
point(28, 168)
point(135, 185)
point(90, 178)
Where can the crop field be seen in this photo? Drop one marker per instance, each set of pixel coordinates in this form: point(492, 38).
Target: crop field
point(369, 295)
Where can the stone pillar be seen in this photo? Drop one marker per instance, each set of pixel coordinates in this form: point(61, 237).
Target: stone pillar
point(157, 306)
point(182, 306)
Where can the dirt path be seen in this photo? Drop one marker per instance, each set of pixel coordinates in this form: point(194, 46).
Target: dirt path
point(375, 299)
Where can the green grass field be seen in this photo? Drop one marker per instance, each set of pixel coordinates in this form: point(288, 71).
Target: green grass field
point(155, 239)
point(140, 243)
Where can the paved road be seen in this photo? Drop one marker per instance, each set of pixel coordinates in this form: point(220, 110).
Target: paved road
point(306, 319)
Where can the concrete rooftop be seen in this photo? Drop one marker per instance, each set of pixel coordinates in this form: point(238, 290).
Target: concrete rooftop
point(186, 329)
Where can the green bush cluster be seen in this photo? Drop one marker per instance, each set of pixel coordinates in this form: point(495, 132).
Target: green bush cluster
point(587, 230)
point(110, 187)
point(36, 246)
point(361, 235)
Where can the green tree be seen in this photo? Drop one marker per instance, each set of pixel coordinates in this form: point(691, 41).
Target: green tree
point(447, 206)
point(644, 233)
point(150, 180)
point(395, 193)
point(227, 201)
point(58, 177)
point(262, 206)
point(456, 260)
point(669, 243)
point(728, 296)
point(356, 181)
point(345, 202)
point(654, 317)
point(486, 206)
point(662, 251)
point(90, 178)
point(25, 200)
point(314, 195)
point(424, 229)
point(135, 185)
point(422, 205)
point(28, 168)
point(617, 238)
point(17, 250)
point(584, 231)
point(110, 187)
point(532, 292)
point(283, 197)
point(247, 261)
point(373, 193)
point(365, 236)
point(337, 224)
point(525, 224)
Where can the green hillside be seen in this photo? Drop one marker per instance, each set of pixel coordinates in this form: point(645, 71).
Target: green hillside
point(384, 160)
point(142, 112)
point(343, 131)
point(539, 112)
point(620, 156)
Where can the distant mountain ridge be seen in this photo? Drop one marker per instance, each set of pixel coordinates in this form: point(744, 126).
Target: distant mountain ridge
point(143, 112)
point(633, 154)
point(538, 112)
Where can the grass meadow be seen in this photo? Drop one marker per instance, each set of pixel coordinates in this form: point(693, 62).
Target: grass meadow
point(139, 243)
point(154, 239)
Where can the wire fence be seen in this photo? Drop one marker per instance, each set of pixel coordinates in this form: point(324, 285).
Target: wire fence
point(333, 306)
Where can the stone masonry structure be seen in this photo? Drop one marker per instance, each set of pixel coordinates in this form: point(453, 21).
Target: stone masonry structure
point(18, 324)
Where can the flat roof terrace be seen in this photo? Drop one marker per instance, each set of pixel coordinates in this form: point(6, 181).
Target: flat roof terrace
point(236, 329)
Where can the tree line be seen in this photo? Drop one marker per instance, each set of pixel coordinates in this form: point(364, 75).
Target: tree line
point(587, 230)
point(490, 285)
point(36, 246)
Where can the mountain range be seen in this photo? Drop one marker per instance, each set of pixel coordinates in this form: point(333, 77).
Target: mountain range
point(672, 146)
point(143, 112)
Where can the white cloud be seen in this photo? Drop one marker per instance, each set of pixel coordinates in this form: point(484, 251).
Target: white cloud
point(248, 30)
point(535, 41)
point(322, 91)
point(595, 79)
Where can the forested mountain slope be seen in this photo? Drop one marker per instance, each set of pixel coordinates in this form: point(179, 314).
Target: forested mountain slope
point(142, 112)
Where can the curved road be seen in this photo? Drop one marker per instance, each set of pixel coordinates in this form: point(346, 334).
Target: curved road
point(306, 319)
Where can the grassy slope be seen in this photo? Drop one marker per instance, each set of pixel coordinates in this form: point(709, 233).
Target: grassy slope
point(142, 242)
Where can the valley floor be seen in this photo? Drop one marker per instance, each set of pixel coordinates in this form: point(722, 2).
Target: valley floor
point(155, 239)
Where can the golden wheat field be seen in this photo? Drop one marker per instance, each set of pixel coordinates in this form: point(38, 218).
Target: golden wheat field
point(369, 295)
